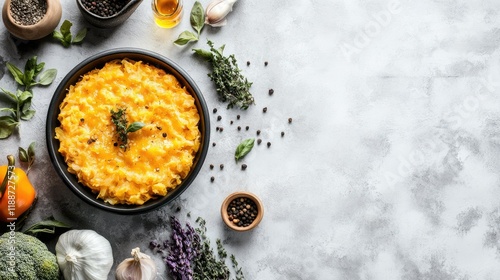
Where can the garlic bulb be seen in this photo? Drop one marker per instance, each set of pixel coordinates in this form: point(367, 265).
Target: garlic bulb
point(140, 267)
point(217, 11)
point(84, 255)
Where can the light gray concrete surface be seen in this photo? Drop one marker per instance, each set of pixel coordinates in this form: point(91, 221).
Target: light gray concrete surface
point(389, 170)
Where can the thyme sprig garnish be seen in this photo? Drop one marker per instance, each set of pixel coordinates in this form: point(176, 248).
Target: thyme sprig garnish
point(119, 118)
point(230, 84)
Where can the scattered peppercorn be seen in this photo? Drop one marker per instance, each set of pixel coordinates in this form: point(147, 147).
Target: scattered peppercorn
point(213, 144)
point(268, 144)
point(217, 128)
point(215, 110)
point(239, 127)
point(247, 127)
point(219, 118)
point(242, 211)
point(265, 63)
point(82, 119)
point(271, 91)
point(289, 120)
point(212, 179)
point(258, 132)
point(282, 133)
point(238, 117)
point(243, 166)
point(164, 134)
point(248, 63)
point(211, 166)
point(259, 141)
point(221, 166)
point(231, 122)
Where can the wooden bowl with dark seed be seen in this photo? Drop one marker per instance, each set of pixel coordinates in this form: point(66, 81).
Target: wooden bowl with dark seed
point(250, 202)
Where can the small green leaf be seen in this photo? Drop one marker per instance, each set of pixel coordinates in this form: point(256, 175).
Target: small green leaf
point(39, 68)
point(23, 155)
point(27, 114)
point(203, 53)
point(31, 63)
point(7, 126)
point(10, 94)
point(66, 28)
point(197, 17)
point(57, 35)
point(28, 77)
point(31, 150)
point(186, 37)
point(244, 148)
point(80, 35)
point(16, 73)
point(23, 96)
point(133, 127)
point(47, 77)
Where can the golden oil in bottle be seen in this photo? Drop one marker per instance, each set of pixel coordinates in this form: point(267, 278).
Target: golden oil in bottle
point(167, 13)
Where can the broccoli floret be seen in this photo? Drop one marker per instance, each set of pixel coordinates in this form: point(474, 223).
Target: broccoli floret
point(24, 257)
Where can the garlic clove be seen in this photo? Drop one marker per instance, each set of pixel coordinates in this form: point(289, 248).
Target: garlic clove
point(217, 11)
point(139, 267)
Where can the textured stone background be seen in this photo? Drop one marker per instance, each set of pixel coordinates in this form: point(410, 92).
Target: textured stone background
point(389, 170)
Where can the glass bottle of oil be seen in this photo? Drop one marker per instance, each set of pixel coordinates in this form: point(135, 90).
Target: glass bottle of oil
point(167, 13)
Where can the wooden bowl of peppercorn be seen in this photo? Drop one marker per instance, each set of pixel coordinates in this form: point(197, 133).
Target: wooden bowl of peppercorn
point(31, 20)
point(242, 211)
point(107, 13)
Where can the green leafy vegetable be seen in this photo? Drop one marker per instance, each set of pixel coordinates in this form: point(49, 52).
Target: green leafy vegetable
point(197, 19)
point(231, 86)
point(244, 148)
point(65, 37)
point(119, 118)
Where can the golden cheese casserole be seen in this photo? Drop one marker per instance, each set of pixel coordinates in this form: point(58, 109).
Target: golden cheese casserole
point(158, 157)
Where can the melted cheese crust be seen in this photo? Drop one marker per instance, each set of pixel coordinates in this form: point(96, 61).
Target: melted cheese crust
point(159, 156)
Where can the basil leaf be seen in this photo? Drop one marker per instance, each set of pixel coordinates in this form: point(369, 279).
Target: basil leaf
point(30, 63)
point(28, 77)
point(244, 148)
point(203, 53)
point(197, 17)
point(24, 96)
point(31, 150)
point(186, 37)
point(47, 77)
point(27, 114)
point(10, 94)
point(16, 73)
point(10, 110)
point(57, 35)
point(7, 126)
point(133, 127)
point(80, 35)
point(65, 28)
point(23, 155)
point(39, 68)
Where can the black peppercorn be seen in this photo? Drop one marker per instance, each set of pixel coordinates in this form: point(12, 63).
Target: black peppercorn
point(221, 166)
point(239, 127)
point(219, 118)
point(243, 166)
point(248, 63)
point(258, 132)
point(164, 134)
point(289, 120)
point(264, 109)
point(282, 133)
point(212, 179)
point(211, 166)
point(238, 211)
point(238, 117)
point(259, 141)
point(213, 144)
point(247, 127)
point(268, 144)
point(271, 91)
point(265, 63)
point(215, 110)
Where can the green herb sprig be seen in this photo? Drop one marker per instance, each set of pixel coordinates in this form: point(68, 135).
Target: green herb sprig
point(119, 118)
point(231, 85)
point(197, 20)
point(20, 108)
point(244, 148)
point(32, 68)
point(65, 37)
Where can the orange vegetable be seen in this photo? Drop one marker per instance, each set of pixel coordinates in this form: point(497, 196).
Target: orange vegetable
point(17, 194)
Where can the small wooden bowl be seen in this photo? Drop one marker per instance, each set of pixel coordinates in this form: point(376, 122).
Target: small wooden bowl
point(35, 31)
point(242, 194)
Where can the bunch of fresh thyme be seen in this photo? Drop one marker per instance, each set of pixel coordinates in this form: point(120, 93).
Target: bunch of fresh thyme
point(231, 86)
point(119, 118)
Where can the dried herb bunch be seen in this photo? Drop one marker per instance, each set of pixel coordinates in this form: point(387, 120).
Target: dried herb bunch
point(230, 84)
point(189, 255)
